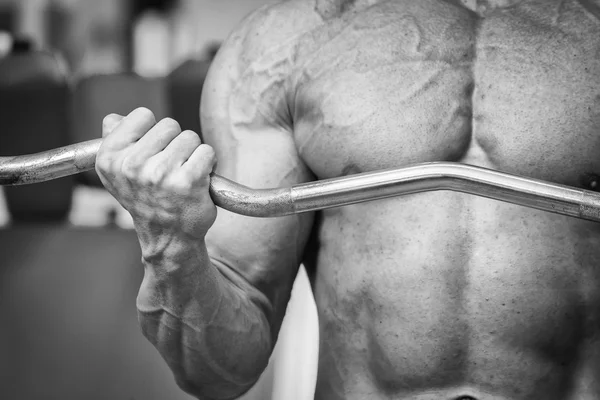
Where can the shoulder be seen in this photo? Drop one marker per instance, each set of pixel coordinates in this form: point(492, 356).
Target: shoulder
point(251, 73)
point(270, 31)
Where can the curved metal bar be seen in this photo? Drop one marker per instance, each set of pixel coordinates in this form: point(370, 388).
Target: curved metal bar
point(528, 192)
point(48, 165)
point(334, 192)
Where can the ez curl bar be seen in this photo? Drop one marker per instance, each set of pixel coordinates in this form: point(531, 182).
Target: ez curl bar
point(528, 192)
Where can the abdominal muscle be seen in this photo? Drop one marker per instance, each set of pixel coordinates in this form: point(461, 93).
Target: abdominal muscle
point(441, 295)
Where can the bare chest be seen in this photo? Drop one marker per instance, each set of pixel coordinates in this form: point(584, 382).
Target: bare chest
point(410, 82)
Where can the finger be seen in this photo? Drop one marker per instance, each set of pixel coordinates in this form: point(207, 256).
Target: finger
point(179, 150)
point(157, 138)
point(130, 129)
point(109, 123)
point(201, 163)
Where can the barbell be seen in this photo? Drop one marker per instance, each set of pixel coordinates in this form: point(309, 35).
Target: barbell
point(335, 192)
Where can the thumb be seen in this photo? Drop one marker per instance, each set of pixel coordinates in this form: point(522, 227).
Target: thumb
point(110, 122)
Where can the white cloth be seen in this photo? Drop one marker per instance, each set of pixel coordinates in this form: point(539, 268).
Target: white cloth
point(94, 206)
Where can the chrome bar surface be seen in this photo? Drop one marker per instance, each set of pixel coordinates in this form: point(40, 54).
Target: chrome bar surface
point(48, 165)
point(425, 177)
point(335, 192)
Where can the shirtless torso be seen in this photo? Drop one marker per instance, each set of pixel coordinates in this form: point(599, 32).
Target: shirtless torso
point(442, 295)
point(433, 296)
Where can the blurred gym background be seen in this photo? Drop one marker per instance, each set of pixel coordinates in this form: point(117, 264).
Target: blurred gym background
point(69, 260)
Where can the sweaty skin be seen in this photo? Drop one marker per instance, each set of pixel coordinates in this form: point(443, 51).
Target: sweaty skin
point(442, 295)
point(432, 296)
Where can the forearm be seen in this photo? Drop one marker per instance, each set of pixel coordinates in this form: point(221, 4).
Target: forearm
point(207, 323)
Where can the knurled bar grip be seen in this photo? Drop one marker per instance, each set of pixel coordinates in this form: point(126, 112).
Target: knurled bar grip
point(240, 199)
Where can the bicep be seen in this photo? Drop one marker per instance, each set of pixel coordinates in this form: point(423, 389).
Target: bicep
point(254, 147)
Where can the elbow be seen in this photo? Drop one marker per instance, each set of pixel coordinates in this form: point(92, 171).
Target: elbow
point(213, 361)
point(223, 376)
point(199, 392)
point(225, 387)
point(215, 371)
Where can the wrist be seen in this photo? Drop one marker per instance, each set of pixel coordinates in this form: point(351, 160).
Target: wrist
point(171, 258)
point(177, 276)
point(160, 244)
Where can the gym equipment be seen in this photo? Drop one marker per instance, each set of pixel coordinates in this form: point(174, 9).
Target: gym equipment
point(34, 116)
point(96, 96)
point(183, 87)
point(528, 192)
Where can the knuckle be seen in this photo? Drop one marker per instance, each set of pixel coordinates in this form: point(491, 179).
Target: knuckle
point(106, 121)
point(154, 175)
point(148, 179)
point(131, 166)
point(208, 153)
point(178, 185)
point(109, 123)
point(103, 165)
point(171, 124)
point(145, 114)
point(104, 160)
point(190, 136)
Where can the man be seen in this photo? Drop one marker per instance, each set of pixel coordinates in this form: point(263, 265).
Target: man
point(437, 295)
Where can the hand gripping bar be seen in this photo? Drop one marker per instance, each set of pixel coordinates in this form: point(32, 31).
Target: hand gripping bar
point(335, 192)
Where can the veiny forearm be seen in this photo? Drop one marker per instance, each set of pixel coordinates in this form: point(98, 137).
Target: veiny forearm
point(208, 324)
